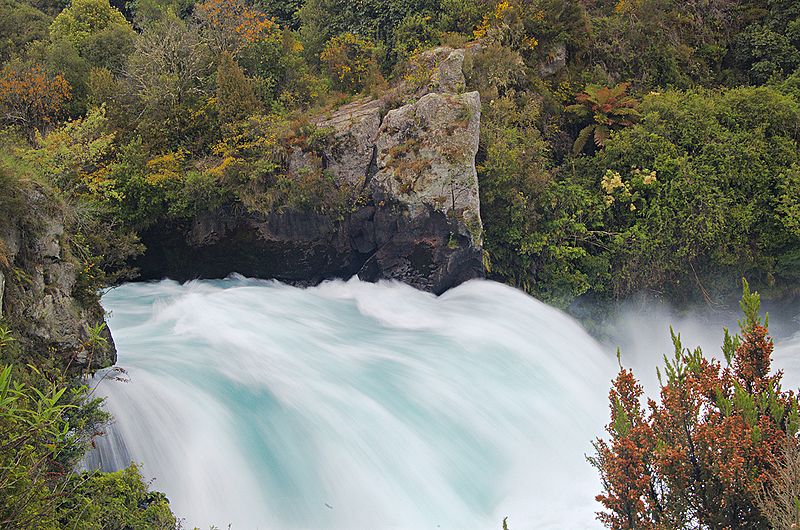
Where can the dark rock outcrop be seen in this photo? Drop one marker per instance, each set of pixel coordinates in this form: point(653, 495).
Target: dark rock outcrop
point(37, 283)
point(294, 247)
point(419, 220)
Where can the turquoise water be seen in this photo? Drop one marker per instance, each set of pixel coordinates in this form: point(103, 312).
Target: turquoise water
point(356, 406)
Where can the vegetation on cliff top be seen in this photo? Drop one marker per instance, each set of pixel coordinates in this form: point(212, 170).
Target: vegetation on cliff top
point(627, 146)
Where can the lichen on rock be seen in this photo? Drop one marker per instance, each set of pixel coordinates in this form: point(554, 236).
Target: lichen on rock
point(426, 156)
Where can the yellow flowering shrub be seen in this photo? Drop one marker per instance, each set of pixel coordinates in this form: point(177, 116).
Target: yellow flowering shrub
point(351, 62)
point(629, 191)
point(166, 167)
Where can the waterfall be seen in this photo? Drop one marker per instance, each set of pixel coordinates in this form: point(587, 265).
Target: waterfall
point(356, 406)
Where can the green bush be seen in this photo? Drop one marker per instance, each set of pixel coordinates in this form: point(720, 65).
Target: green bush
point(717, 162)
point(376, 20)
point(85, 18)
point(47, 423)
point(114, 501)
point(20, 24)
point(46, 428)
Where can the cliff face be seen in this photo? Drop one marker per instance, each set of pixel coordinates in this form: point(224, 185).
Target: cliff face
point(37, 283)
point(419, 222)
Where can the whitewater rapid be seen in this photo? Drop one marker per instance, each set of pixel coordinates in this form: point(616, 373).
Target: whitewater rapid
point(356, 406)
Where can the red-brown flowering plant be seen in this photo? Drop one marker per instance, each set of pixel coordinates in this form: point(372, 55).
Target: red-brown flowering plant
point(701, 456)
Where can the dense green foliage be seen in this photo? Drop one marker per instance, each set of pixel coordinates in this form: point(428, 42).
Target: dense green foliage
point(48, 421)
point(679, 191)
point(626, 146)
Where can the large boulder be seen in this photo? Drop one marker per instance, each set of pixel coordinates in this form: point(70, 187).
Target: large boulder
point(440, 70)
point(350, 149)
point(429, 231)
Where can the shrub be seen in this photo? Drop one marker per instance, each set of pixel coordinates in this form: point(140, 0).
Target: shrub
point(350, 61)
point(34, 433)
point(20, 24)
point(700, 456)
point(115, 501)
point(85, 18)
point(415, 32)
point(737, 147)
point(31, 97)
point(46, 426)
point(235, 96)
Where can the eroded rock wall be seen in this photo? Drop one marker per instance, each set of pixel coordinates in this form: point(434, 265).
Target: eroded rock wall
point(418, 216)
point(37, 284)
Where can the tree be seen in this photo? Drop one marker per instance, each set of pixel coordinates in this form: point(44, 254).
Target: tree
point(232, 25)
point(700, 457)
point(350, 61)
point(31, 97)
point(63, 58)
point(376, 20)
point(283, 11)
point(168, 84)
point(85, 18)
point(109, 48)
point(235, 97)
point(607, 108)
point(76, 157)
point(20, 24)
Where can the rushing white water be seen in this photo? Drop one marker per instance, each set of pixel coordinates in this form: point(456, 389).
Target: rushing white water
point(355, 405)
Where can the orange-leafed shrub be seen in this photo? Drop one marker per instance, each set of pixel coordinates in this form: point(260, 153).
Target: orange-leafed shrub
point(702, 456)
point(232, 25)
point(31, 97)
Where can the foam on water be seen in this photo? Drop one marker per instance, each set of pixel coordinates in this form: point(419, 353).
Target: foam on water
point(354, 405)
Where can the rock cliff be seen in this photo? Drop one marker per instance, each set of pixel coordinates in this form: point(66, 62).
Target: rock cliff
point(37, 287)
point(413, 166)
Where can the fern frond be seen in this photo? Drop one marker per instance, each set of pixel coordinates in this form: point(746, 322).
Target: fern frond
point(601, 134)
point(625, 111)
point(583, 137)
point(619, 90)
point(580, 110)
